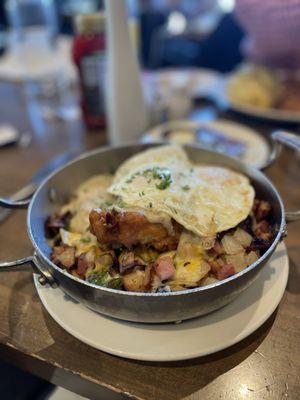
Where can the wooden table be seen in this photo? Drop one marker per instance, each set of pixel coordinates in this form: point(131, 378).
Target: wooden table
point(266, 365)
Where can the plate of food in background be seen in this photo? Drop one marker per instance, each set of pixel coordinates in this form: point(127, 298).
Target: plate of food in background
point(195, 80)
point(258, 91)
point(230, 138)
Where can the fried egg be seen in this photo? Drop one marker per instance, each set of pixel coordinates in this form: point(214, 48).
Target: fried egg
point(203, 199)
point(90, 194)
point(83, 243)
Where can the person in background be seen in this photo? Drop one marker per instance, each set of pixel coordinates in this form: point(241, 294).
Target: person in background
point(217, 49)
point(272, 31)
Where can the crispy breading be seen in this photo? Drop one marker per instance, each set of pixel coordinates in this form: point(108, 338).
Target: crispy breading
point(129, 228)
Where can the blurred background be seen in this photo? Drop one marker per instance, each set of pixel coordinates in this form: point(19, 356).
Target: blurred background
point(171, 33)
point(232, 64)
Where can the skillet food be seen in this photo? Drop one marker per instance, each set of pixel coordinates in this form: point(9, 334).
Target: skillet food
point(160, 224)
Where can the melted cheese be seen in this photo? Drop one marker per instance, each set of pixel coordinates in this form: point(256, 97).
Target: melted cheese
point(90, 194)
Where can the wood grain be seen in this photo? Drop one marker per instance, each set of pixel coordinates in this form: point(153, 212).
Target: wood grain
point(266, 365)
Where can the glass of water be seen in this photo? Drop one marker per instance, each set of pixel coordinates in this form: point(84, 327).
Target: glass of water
point(32, 42)
point(33, 27)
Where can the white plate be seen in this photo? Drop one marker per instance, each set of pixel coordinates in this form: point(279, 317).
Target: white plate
point(169, 342)
point(257, 148)
point(268, 114)
point(218, 92)
point(196, 81)
point(39, 68)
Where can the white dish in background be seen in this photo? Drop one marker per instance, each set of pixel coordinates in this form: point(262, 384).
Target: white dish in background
point(257, 148)
point(170, 342)
point(196, 81)
point(169, 93)
point(219, 94)
point(270, 114)
point(37, 69)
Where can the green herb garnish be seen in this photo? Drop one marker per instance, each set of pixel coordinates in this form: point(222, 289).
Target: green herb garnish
point(120, 203)
point(104, 278)
point(156, 173)
point(85, 240)
point(185, 188)
point(115, 283)
point(164, 184)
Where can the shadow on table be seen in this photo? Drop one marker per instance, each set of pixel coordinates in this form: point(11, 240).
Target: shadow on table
point(294, 277)
point(205, 370)
point(238, 352)
point(195, 374)
point(157, 380)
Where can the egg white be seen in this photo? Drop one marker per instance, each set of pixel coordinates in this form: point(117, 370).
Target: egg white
point(203, 199)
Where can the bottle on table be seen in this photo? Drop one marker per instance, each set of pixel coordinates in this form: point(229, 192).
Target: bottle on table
point(89, 55)
point(126, 110)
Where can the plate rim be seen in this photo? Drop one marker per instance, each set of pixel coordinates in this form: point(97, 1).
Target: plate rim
point(154, 135)
point(187, 356)
point(270, 114)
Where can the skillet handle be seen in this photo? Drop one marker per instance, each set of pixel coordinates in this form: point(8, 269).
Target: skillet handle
point(292, 141)
point(45, 276)
point(288, 139)
point(280, 138)
point(292, 216)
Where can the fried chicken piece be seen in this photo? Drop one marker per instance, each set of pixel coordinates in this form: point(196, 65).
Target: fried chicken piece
point(129, 228)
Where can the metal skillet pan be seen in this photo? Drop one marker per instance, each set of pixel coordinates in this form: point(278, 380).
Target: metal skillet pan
point(140, 307)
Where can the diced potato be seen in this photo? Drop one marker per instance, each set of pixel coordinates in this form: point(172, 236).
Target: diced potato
point(171, 254)
point(251, 257)
point(147, 255)
point(191, 245)
point(135, 281)
point(106, 259)
point(239, 261)
point(174, 286)
point(242, 237)
point(231, 245)
point(155, 282)
point(208, 281)
point(190, 272)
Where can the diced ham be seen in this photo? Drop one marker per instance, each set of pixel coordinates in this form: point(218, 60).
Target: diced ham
point(214, 266)
point(83, 265)
point(263, 231)
point(225, 271)
point(55, 222)
point(218, 248)
point(164, 268)
point(130, 261)
point(261, 209)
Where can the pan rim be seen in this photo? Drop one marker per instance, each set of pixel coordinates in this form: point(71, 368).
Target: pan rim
point(191, 291)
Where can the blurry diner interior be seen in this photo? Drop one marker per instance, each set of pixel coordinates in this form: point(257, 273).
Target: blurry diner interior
point(75, 75)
